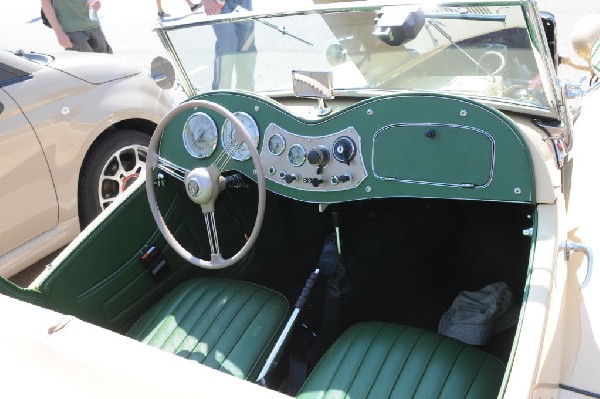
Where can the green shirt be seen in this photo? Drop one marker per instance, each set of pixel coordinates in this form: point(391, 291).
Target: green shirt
point(73, 15)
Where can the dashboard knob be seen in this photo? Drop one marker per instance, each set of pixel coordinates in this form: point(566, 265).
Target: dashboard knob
point(345, 178)
point(289, 178)
point(344, 149)
point(316, 182)
point(318, 156)
point(341, 179)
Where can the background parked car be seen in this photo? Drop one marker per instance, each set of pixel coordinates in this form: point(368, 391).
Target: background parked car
point(73, 134)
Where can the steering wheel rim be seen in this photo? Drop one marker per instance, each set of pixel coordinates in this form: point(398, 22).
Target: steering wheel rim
point(495, 54)
point(152, 160)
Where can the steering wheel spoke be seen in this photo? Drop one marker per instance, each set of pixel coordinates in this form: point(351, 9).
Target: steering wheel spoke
point(172, 169)
point(211, 229)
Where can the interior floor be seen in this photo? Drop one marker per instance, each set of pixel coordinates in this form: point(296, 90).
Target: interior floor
point(402, 260)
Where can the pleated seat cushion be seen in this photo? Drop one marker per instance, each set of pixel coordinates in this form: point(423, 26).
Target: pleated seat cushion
point(383, 360)
point(228, 325)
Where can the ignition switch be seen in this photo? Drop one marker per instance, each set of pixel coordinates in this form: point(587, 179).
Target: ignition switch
point(344, 150)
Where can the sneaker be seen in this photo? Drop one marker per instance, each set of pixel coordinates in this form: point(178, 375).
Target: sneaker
point(163, 14)
point(195, 7)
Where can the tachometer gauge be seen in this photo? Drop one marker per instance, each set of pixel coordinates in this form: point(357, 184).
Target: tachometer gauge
point(276, 144)
point(237, 151)
point(297, 155)
point(200, 135)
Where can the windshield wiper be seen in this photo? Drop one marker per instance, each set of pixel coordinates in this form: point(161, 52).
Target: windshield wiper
point(284, 32)
point(279, 29)
point(437, 26)
point(467, 16)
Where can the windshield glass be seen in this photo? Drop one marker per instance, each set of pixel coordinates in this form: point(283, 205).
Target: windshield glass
point(474, 50)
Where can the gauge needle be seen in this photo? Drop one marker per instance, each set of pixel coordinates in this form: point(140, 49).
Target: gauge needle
point(201, 134)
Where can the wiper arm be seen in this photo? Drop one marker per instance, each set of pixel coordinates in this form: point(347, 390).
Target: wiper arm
point(466, 16)
point(437, 26)
point(279, 29)
point(284, 32)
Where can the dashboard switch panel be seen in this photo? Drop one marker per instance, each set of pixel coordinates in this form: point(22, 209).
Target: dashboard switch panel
point(332, 159)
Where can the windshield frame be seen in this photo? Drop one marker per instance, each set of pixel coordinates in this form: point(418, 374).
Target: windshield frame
point(555, 98)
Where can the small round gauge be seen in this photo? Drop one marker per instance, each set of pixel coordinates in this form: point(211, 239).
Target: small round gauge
point(232, 147)
point(297, 155)
point(276, 144)
point(200, 135)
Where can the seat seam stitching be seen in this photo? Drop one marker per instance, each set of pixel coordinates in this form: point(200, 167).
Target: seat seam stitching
point(212, 321)
point(385, 359)
point(476, 374)
point(406, 360)
point(346, 350)
point(256, 291)
point(427, 365)
point(185, 314)
point(451, 367)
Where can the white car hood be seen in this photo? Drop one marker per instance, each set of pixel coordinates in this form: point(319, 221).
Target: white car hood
point(94, 68)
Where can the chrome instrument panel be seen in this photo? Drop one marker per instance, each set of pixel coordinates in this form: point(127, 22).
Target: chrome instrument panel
point(331, 162)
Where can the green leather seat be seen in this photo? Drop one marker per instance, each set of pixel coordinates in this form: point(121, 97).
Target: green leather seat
point(228, 325)
point(383, 360)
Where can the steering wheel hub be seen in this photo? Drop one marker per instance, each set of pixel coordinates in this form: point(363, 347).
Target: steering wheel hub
point(199, 186)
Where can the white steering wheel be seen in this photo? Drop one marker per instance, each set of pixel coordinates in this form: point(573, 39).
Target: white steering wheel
point(203, 186)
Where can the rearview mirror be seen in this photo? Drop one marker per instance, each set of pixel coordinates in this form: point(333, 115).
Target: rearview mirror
point(313, 84)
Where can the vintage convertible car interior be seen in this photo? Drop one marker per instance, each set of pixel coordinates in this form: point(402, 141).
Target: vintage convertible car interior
point(310, 235)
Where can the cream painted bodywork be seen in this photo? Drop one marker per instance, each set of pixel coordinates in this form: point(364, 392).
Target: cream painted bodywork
point(556, 354)
point(579, 366)
point(53, 354)
point(44, 144)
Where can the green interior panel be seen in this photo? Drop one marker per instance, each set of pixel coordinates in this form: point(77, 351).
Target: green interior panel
point(103, 280)
point(477, 150)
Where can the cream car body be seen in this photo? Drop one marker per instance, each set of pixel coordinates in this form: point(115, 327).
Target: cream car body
point(53, 112)
point(412, 226)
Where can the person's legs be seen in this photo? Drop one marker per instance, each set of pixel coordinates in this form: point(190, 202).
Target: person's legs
point(97, 41)
point(80, 42)
point(225, 48)
point(193, 6)
point(245, 60)
point(161, 12)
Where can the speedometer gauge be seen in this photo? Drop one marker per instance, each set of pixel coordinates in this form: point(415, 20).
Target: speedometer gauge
point(238, 151)
point(200, 135)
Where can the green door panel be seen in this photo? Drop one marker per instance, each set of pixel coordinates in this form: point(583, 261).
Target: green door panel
point(103, 281)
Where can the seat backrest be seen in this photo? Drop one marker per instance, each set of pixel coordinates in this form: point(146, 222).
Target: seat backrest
point(385, 360)
point(228, 325)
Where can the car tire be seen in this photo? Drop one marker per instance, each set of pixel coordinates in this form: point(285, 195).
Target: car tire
point(111, 165)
